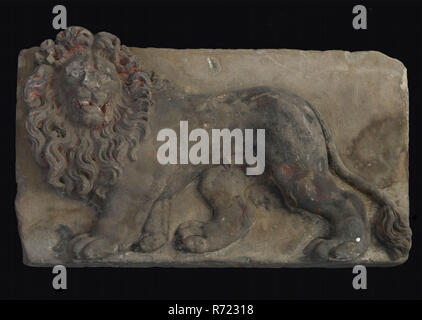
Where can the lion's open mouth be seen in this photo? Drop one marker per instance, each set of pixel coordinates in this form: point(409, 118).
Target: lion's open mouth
point(89, 106)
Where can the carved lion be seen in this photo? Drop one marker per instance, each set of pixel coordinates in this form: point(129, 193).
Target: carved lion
point(93, 118)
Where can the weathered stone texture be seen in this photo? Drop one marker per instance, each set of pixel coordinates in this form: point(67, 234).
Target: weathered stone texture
point(362, 96)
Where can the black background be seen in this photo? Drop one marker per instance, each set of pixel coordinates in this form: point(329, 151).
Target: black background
point(394, 28)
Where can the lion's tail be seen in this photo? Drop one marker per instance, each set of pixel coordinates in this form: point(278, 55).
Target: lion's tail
point(389, 226)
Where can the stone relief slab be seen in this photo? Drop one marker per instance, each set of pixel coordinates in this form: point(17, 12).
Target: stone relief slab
point(92, 189)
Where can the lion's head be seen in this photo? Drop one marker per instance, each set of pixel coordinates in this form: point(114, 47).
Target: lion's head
point(88, 102)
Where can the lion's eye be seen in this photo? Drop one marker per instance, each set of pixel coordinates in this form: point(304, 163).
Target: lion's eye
point(76, 73)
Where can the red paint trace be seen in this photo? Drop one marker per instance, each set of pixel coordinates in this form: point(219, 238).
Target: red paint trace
point(239, 220)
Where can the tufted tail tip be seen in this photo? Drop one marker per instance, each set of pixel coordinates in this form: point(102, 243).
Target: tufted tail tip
point(393, 232)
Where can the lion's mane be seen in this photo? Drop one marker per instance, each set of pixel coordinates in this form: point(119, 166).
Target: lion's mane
point(85, 162)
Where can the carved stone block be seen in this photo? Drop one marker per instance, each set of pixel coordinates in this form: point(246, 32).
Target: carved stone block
point(93, 191)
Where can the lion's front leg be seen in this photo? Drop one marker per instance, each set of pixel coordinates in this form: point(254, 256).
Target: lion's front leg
point(117, 228)
point(156, 228)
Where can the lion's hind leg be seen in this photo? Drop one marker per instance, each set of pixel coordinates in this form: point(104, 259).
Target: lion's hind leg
point(222, 188)
point(318, 193)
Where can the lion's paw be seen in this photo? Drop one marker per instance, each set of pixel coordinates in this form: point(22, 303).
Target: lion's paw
point(85, 246)
point(335, 250)
point(190, 237)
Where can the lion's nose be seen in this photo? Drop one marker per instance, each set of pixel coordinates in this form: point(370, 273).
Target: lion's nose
point(89, 80)
point(83, 92)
